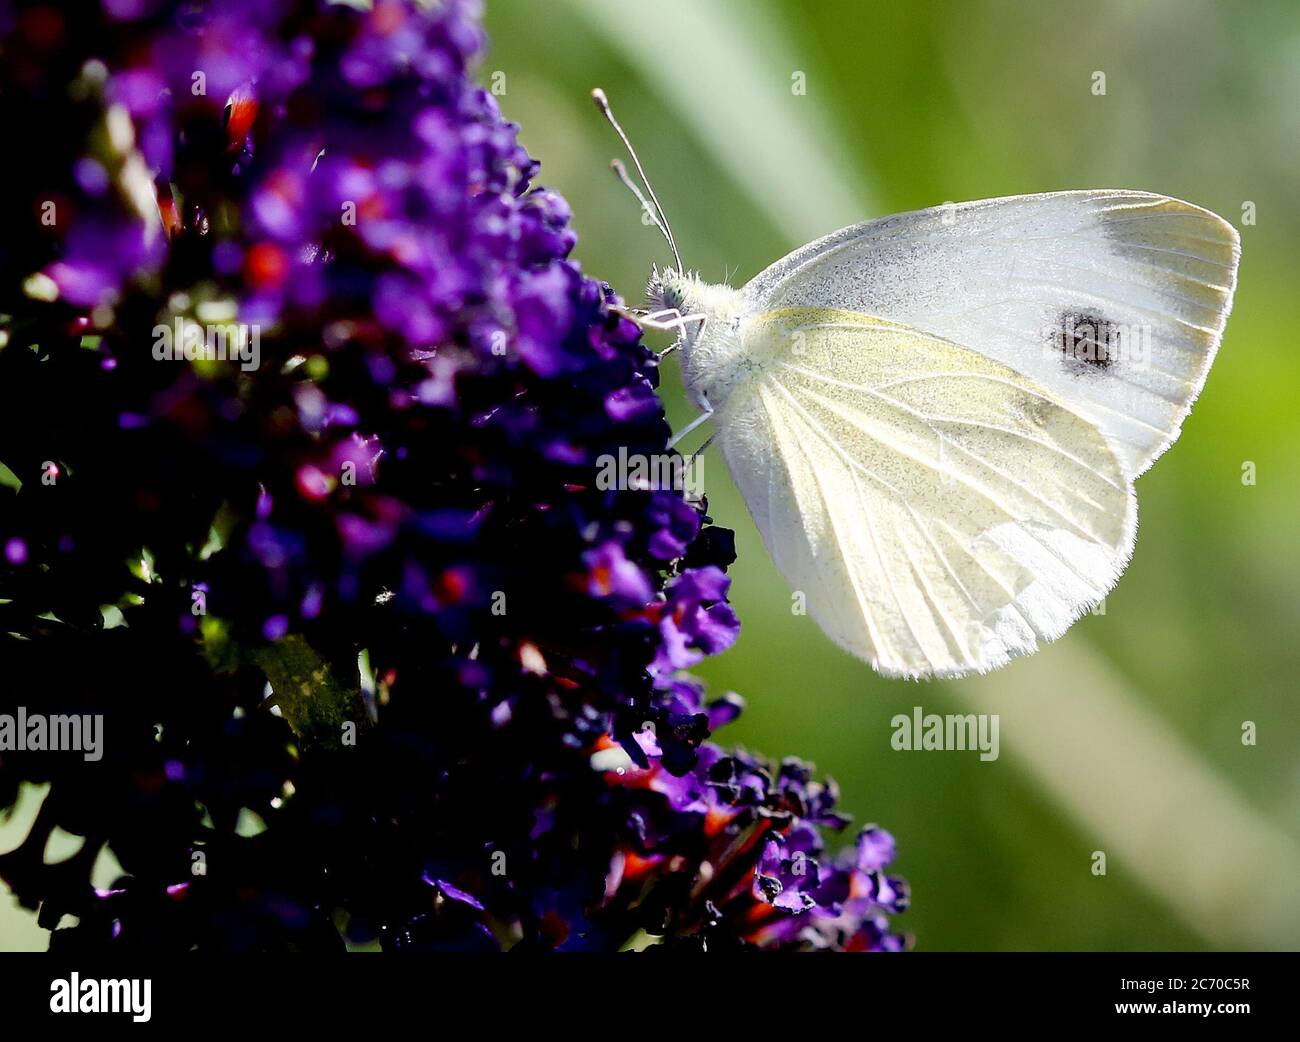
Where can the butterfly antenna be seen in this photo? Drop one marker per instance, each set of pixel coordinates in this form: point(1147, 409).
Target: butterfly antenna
point(620, 171)
point(661, 221)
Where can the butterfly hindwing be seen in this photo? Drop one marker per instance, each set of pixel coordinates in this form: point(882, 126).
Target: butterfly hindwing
point(940, 512)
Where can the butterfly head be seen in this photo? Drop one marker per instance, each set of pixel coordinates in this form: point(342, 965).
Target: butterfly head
point(671, 290)
point(689, 302)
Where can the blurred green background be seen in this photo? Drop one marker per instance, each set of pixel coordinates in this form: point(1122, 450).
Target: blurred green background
point(1126, 736)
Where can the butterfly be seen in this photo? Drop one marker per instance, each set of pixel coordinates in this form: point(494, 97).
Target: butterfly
point(936, 418)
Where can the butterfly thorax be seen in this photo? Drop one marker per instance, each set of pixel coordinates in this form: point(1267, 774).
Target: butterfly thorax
point(713, 357)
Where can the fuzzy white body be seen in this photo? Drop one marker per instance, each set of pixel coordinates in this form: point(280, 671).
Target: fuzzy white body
point(935, 439)
point(713, 351)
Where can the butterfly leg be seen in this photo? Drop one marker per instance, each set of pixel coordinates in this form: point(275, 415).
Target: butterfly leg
point(664, 321)
point(703, 417)
point(690, 460)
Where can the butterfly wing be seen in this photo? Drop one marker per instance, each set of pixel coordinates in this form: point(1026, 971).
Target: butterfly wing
point(1112, 301)
point(939, 511)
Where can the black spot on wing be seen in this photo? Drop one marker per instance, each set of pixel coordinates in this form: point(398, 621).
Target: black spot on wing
point(1085, 339)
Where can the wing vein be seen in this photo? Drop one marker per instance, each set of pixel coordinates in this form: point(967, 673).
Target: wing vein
point(834, 446)
point(878, 642)
point(931, 420)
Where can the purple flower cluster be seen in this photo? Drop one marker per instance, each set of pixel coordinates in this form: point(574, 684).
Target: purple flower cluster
point(378, 660)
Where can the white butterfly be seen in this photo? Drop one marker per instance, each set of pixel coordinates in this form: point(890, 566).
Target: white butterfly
point(936, 418)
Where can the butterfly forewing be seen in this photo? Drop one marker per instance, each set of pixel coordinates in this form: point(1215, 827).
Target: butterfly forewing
point(1113, 301)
